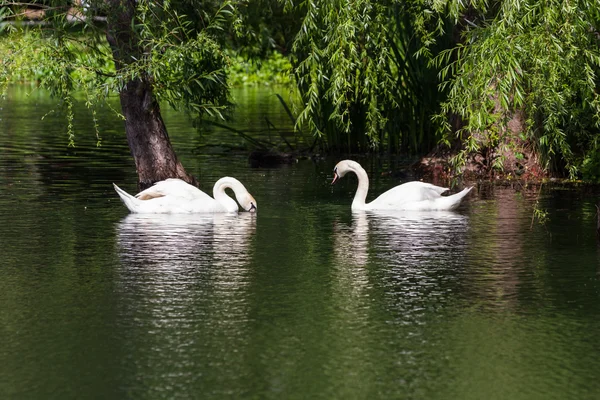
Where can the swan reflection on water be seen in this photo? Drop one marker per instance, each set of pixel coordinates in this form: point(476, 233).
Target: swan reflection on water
point(351, 243)
point(412, 232)
point(186, 242)
point(184, 276)
point(419, 231)
point(411, 257)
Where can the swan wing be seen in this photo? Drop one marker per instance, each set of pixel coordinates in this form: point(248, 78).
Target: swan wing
point(176, 205)
point(174, 188)
point(409, 192)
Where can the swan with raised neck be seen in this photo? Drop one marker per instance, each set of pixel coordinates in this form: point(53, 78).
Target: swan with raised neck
point(176, 196)
point(413, 195)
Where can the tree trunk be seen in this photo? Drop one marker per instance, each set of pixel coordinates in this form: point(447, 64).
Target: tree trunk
point(155, 159)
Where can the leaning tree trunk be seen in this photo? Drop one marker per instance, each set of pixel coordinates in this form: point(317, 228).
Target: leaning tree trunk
point(155, 159)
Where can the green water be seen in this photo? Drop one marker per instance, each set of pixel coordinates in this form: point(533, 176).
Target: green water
point(303, 300)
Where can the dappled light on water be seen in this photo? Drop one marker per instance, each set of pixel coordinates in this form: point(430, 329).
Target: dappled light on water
point(160, 237)
point(185, 276)
point(166, 252)
point(408, 247)
point(411, 256)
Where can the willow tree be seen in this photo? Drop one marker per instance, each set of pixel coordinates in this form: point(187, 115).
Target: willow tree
point(534, 61)
point(363, 81)
point(147, 52)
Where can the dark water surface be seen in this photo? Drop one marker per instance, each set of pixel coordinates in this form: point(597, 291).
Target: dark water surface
point(304, 300)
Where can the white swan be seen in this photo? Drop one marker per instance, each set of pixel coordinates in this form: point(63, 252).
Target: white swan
point(414, 196)
point(178, 197)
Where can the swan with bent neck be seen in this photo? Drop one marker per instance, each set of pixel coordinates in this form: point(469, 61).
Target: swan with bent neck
point(410, 196)
point(178, 197)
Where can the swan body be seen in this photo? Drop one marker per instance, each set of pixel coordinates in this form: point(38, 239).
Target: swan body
point(410, 196)
point(174, 196)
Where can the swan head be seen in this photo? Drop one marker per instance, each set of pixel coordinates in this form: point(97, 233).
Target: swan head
point(248, 203)
point(340, 170)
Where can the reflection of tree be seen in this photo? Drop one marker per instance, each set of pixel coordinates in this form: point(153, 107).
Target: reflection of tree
point(496, 252)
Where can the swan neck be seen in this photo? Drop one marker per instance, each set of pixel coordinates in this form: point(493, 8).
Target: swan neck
point(360, 197)
point(230, 183)
point(221, 196)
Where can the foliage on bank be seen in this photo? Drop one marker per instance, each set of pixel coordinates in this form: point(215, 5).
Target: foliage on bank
point(31, 58)
point(501, 86)
point(184, 63)
point(363, 85)
point(524, 76)
point(273, 70)
point(504, 86)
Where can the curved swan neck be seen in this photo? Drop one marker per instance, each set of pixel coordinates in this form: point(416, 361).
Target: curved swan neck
point(360, 197)
point(222, 197)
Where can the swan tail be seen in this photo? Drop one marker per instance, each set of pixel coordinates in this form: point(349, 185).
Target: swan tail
point(130, 202)
point(453, 201)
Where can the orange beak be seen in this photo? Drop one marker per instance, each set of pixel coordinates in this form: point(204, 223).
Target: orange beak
point(335, 178)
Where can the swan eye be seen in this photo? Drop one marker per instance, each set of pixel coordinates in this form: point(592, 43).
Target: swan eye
point(252, 207)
